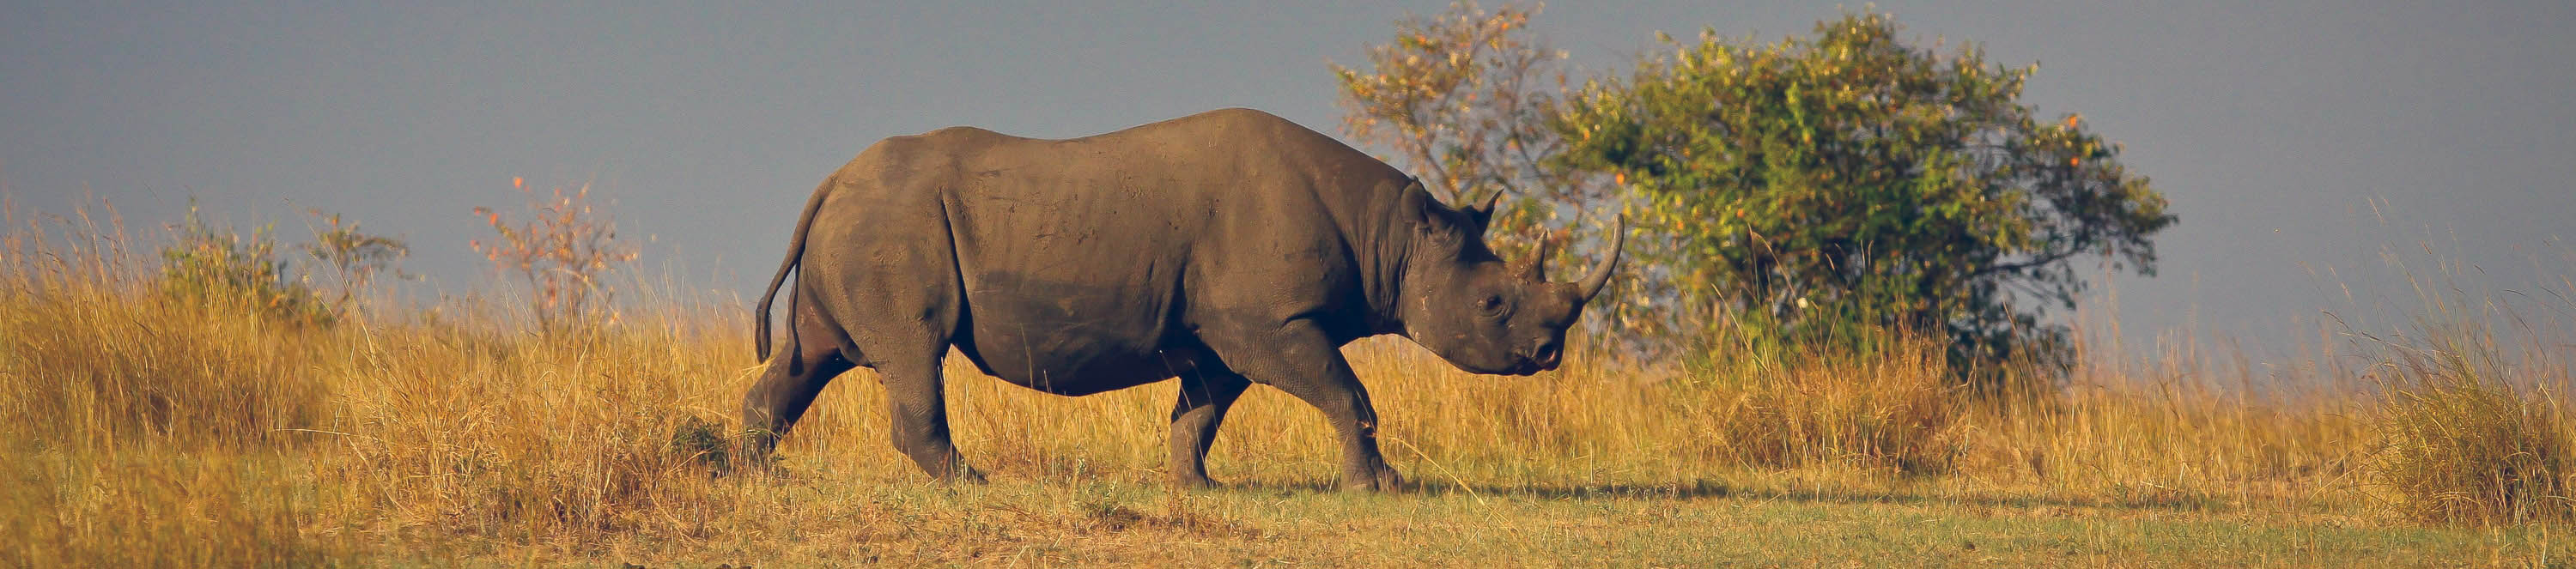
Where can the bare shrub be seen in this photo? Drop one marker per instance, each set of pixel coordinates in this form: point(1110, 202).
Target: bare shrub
point(562, 253)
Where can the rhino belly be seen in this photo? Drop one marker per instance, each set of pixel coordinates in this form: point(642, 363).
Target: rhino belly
point(1049, 338)
point(1071, 363)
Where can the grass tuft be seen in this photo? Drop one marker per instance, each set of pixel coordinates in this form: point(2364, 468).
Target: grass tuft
point(2460, 445)
point(2473, 424)
point(1897, 410)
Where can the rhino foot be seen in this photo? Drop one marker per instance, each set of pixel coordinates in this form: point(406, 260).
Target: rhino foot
point(1193, 482)
point(1380, 479)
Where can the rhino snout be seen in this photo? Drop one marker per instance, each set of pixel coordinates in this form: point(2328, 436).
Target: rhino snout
point(1543, 357)
point(1547, 355)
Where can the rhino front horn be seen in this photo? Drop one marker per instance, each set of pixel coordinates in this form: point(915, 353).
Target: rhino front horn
point(1600, 275)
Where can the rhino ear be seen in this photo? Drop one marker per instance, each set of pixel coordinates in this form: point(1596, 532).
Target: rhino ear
point(1482, 216)
point(1429, 216)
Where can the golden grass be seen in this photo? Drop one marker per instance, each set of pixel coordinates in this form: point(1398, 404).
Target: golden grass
point(143, 430)
point(2461, 446)
point(2474, 423)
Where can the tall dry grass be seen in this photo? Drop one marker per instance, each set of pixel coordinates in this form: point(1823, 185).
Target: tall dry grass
point(2474, 421)
point(2457, 444)
point(142, 429)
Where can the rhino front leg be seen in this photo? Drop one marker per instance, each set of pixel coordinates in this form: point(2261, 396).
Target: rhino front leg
point(1301, 360)
point(1204, 398)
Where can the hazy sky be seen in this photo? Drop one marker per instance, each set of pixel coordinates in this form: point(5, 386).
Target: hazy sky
point(2271, 125)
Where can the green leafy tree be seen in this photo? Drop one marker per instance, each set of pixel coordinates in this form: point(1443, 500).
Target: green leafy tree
point(1820, 184)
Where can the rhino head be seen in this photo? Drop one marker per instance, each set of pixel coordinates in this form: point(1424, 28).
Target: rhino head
point(1465, 304)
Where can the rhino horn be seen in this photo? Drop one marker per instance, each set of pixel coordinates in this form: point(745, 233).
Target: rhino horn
point(1600, 275)
point(1536, 270)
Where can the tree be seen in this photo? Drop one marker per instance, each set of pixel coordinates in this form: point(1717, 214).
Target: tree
point(1462, 98)
point(1848, 179)
point(1465, 100)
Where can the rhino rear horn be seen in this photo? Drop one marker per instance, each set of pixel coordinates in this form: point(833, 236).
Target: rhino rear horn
point(1600, 275)
point(1536, 270)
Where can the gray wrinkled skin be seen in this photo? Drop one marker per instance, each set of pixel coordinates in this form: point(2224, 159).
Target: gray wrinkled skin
point(1225, 249)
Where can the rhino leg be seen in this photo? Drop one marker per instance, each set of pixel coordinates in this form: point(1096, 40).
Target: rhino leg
point(1203, 401)
point(1301, 360)
point(918, 415)
point(887, 274)
point(795, 375)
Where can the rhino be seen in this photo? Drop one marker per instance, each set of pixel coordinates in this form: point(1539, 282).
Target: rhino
point(1224, 249)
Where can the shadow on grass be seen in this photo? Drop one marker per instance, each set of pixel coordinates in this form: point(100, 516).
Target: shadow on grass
point(1690, 490)
point(1705, 488)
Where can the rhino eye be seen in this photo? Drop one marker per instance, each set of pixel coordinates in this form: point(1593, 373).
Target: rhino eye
point(1490, 305)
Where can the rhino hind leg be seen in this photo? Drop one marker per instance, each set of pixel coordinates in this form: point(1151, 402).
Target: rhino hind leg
point(794, 377)
point(1201, 407)
point(904, 332)
point(917, 415)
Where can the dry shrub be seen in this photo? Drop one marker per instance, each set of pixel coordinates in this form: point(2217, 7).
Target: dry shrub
point(145, 429)
point(2175, 446)
point(560, 437)
point(94, 357)
point(2460, 445)
point(1893, 409)
point(2473, 426)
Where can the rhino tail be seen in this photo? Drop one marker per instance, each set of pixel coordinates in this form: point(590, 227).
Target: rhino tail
point(795, 253)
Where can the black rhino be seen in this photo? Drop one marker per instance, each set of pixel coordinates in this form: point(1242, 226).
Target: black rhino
point(1227, 248)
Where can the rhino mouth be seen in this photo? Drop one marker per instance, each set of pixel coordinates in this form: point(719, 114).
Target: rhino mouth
point(1519, 365)
point(1542, 358)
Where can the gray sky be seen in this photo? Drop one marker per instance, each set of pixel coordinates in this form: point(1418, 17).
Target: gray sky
point(2270, 125)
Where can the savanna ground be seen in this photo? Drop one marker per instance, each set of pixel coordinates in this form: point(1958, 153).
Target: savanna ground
point(145, 427)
